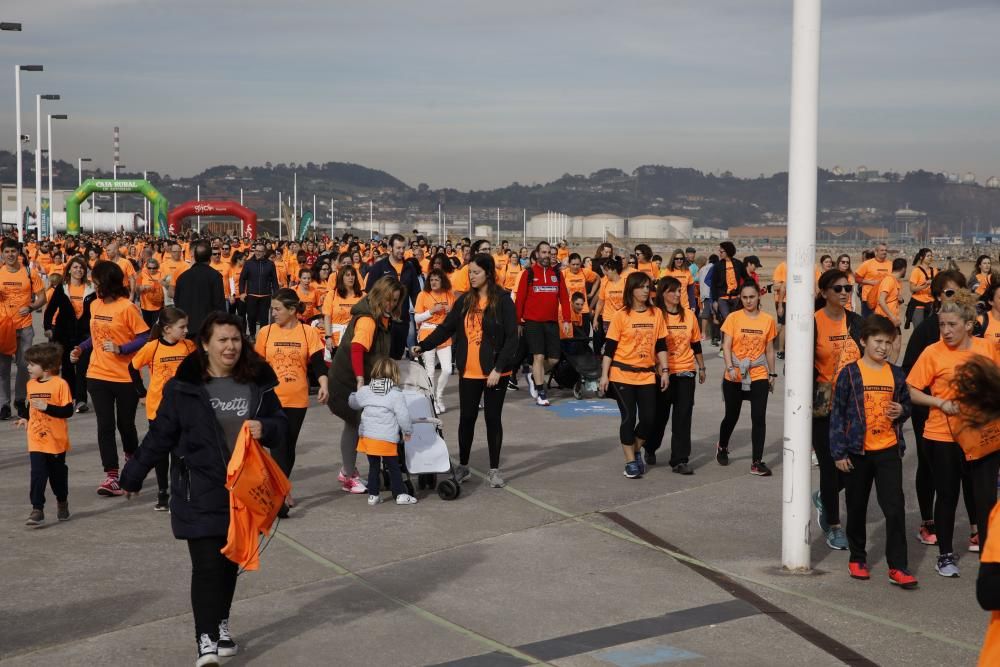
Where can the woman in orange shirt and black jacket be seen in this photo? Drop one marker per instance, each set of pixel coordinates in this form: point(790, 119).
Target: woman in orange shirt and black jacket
point(483, 328)
point(67, 322)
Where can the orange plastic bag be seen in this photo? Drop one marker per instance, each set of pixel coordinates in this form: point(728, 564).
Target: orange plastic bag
point(257, 488)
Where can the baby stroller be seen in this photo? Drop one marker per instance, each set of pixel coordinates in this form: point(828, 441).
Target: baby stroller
point(426, 453)
point(578, 369)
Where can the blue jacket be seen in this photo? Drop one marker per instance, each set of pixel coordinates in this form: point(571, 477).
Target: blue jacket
point(847, 416)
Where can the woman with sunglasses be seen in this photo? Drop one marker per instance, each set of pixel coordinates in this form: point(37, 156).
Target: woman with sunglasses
point(921, 300)
point(844, 264)
point(679, 270)
point(149, 285)
point(838, 344)
point(944, 287)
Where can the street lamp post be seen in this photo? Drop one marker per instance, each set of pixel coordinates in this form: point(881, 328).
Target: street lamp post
point(79, 169)
point(38, 152)
point(17, 145)
point(58, 116)
point(114, 170)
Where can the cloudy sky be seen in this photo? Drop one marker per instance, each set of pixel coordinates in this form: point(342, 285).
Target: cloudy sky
point(478, 94)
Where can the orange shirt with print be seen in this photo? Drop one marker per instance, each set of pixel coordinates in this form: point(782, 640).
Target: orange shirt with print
point(575, 320)
point(513, 277)
point(612, 294)
point(311, 301)
point(918, 277)
point(750, 336)
point(872, 269)
point(364, 331)
point(426, 301)
point(992, 333)
point(576, 282)
point(162, 359)
point(649, 269)
point(891, 286)
point(473, 324)
point(282, 272)
point(151, 299)
point(119, 322)
point(17, 290)
point(879, 385)
point(76, 294)
point(989, 656)
point(681, 334)
point(287, 351)
point(636, 334)
point(935, 368)
point(127, 268)
point(835, 348)
point(174, 269)
point(48, 434)
point(780, 276)
point(224, 269)
point(338, 309)
point(684, 277)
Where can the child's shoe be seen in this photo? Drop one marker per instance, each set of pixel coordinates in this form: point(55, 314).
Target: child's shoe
point(401, 499)
point(374, 500)
point(36, 518)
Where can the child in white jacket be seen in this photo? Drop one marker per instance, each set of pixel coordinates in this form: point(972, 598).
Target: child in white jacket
point(383, 416)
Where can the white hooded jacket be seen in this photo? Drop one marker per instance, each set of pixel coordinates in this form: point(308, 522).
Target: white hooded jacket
point(383, 411)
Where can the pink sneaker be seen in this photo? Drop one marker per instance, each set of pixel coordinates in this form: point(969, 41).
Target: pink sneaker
point(109, 487)
point(352, 484)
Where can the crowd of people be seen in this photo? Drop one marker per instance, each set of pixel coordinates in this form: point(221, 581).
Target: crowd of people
point(253, 332)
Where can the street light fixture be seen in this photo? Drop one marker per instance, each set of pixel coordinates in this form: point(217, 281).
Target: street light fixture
point(58, 116)
point(17, 144)
point(79, 169)
point(114, 170)
point(38, 152)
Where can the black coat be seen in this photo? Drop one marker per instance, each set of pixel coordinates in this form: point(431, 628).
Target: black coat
point(186, 427)
point(409, 278)
point(499, 345)
point(258, 276)
point(199, 292)
point(61, 320)
point(720, 289)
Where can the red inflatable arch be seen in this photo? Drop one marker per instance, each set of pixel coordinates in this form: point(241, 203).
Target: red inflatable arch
point(227, 208)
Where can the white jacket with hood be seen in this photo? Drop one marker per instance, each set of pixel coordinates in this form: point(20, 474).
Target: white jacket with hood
point(383, 411)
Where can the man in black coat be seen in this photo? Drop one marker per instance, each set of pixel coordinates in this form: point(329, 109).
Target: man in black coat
point(259, 281)
point(395, 266)
point(724, 299)
point(199, 289)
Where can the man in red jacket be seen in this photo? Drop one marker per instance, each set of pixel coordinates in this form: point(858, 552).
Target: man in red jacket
point(540, 294)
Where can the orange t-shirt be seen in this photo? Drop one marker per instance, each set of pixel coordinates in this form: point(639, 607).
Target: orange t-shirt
point(872, 269)
point(750, 337)
point(282, 272)
point(45, 433)
point(474, 336)
point(127, 268)
point(990, 654)
point(890, 285)
point(169, 267)
point(780, 276)
point(460, 279)
point(731, 283)
point(879, 386)
point(17, 290)
point(680, 336)
point(935, 368)
point(224, 269)
point(310, 299)
point(983, 281)
point(339, 311)
point(576, 282)
point(684, 276)
point(76, 294)
point(835, 348)
point(287, 351)
point(636, 334)
point(375, 447)
point(425, 302)
point(612, 294)
point(992, 333)
point(120, 322)
point(917, 277)
point(150, 299)
point(163, 360)
point(56, 270)
point(364, 331)
point(513, 277)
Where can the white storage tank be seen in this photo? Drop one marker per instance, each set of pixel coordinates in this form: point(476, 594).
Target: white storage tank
point(389, 228)
point(538, 226)
point(683, 227)
point(594, 226)
point(484, 232)
point(649, 227)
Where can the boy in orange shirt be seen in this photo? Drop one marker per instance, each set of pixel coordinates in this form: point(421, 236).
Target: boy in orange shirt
point(50, 403)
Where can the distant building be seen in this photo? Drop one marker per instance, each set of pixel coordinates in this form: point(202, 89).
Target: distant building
point(709, 234)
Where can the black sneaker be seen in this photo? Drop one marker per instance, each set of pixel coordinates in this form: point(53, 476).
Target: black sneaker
point(722, 455)
point(5, 413)
point(162, 502)
point(227, 645)
point(760, 469)
point(208, 651)
point(780, 355)
point(512, 385)
point(36, 518)
point(82, 407)
point(683, 469)
point(650, 458)
point(62, 511)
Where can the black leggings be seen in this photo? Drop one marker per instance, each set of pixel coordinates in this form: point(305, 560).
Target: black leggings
point(469, 393)
point(983, 474)
point(114, 403)
point(925, 474)
point(831, 480)
point(75, 374)
point(947, 461)
point(284, 453)
point(680, 397)
point(635, 402)
point(213, 583)
point(150, 317)
point(733, 395)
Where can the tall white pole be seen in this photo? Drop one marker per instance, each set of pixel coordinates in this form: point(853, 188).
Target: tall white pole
point(39, 211)
point(470, 223)
point(93, 213)
point(498, 227)
point(198, 197)
point(114, 171)
point(279, 216)
point(79, 172)
point(17, 152)
point(440, 228)
point(799, 346)
point(241, 196)
point(524, 226)
point(38, 163)
point(315, 213)
point(371, 219)
point(332, 231)
point(145, 202)
point(295, 205)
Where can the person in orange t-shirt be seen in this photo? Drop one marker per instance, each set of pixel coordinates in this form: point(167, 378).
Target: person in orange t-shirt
point(921, 300)
point(635, 368)
point(117, 331)
point(167, 347)
point(149, 285)
point(610, 298)
point(22, 292)
point(338, 303)
point(308, 295)
point(293, 350)
point(677, 268)
point(434, 303)
point(870, 275)
point(50, 404)
point(935, 368)
point(748, 350)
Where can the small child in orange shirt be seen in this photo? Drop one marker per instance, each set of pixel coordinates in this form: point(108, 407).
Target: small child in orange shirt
point(50, 404)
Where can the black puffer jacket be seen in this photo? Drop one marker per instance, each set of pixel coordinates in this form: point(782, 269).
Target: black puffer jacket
point(186, 427)
point(498, 348)
point(61, 320)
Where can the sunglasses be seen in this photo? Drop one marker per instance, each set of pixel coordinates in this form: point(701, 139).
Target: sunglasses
point(225, 247)
point(216, 254)
point(949, 293)
point(679, 259)
point(842, 288)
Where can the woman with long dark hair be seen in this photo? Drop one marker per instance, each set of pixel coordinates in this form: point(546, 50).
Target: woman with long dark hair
point(117, 331)
point(67, 322)
point(434, 303)
point(217, 389)
point(921, 300)
point(483, 327)
point(338, 303)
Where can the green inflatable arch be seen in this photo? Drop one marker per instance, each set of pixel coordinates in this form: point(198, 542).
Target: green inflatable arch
point(144, 188)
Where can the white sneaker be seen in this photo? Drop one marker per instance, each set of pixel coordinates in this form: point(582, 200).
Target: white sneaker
point(208, 652)
point(532, 389)
point(405, 499)
point(374, 500)
point(542, 401)
point(439, 406)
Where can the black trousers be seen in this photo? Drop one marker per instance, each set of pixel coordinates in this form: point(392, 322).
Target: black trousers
point(679, 399)
point(733, 396)
point(983, 474)
point(469, 393)
point(398, 331)
point(637, 405)
point(48, 469)
point(115, 403)
point(75, 374)
point(258, 312)
point(375, 475)
point(947, 461)
point(884, 468)
point(284, 453)
point(150, 317)
point(925, 474)
point(213, 583)
point(831, 480)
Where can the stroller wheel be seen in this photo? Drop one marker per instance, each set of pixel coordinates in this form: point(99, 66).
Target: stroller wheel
point(578, 390)
point(409, 487)
point(448, 490)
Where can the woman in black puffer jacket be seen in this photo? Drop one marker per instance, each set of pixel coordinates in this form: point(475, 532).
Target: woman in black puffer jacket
point(221, 385)
point(67, 321)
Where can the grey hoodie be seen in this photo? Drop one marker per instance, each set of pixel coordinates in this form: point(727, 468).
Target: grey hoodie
point(384, 413)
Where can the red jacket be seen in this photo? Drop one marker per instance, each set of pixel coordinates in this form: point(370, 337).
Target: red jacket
point(547, 295)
